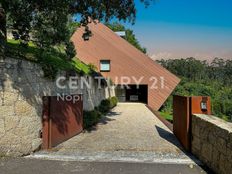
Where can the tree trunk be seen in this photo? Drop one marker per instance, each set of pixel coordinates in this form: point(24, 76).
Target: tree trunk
point(3, 34)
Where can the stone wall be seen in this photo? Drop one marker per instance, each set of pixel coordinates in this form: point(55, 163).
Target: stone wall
point(212, 142)
point(22, 87)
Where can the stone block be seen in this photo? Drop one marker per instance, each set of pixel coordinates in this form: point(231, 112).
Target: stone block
point(221, 132)
point(207, 150)
point(215, 158)
point(24, 109)
point(229, 154)
point(30, 76)
point(9, 66)
point(12, 61)
point(204, 133)
point(10, 98)
point(10, 86)
point(6, 111)
point(211, 138)
point(26, 65)
point(2, 70)
point(2, 127)
point(7, 141)
point(36, 143)
point(21, 131)
point(196, 152)
point(1, 83)
point(7, 85)
point(25, 122)
point(196, 143)
point(24, 147)
point(11, 122)
point(229, 143)
point(19, 77)
point(196, 131)
point(224, 165)
point(1, 98)
point(221, 145)
point(27, 128)
point(26, 91)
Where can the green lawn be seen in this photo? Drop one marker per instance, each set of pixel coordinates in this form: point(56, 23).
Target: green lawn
point(167, 116)
point(51, 61)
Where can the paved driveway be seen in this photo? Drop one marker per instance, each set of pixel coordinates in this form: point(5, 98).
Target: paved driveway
point(130, 132)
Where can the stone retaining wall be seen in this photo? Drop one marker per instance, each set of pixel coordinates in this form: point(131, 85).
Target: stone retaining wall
point(22, 87)
point(212, 142)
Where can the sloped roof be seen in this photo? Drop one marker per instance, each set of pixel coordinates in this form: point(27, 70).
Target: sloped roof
point(126, 60)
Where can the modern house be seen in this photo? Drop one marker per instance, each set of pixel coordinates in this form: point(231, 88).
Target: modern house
point(125, 65)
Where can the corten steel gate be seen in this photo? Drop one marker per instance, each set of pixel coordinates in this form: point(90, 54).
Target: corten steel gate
point(183, 109)
point(62, 119)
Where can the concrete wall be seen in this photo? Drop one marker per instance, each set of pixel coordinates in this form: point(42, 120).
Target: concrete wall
point(22, 87)
point(212, 142)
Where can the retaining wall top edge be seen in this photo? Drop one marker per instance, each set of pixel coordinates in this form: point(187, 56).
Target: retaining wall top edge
point(216, 121)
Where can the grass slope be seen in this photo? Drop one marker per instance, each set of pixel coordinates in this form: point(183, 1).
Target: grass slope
point(167, 116)
point(51, 61)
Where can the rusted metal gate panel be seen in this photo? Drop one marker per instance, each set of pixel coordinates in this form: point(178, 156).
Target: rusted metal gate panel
point(181, 120)
point(183, 109)
point(62, 119)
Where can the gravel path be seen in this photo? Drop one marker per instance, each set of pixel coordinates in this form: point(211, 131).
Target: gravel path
point(130, 132)
point(129, 127)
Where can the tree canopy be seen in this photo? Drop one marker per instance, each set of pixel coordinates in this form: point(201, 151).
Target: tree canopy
point(130, 36)
point(202, 78)
point(48, 20)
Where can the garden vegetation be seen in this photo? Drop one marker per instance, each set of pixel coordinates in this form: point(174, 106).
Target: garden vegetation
point(201, 78)
point(91, 118)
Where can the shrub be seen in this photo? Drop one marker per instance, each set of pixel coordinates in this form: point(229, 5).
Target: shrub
point(113, 102)
point(107, 104)
point(91, 118)
point(104, 107)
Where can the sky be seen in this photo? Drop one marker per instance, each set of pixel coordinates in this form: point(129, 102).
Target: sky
point(185, 28)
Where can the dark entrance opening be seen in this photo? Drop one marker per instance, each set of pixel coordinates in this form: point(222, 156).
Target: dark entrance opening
point(132, 93)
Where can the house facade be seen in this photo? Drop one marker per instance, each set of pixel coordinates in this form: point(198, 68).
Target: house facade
point(137, 77)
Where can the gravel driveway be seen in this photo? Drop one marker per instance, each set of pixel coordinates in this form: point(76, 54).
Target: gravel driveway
point(131, 131)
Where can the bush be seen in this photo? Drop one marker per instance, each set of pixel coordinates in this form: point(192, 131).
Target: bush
point(113, 102)
point(107, 104)
point(217, 107)
point(91, 118)
point(104, 107)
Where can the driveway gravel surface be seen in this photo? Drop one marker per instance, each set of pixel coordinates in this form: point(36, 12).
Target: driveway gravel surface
point(130, 132)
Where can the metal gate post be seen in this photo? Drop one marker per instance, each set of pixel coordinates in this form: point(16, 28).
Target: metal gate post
point(183, 110)
point(181, 120)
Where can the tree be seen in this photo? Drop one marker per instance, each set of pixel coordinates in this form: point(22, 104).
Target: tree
point(49, 19)
point(228, 72)
point(2, 31)
point(204, 79)
point(130, 36)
